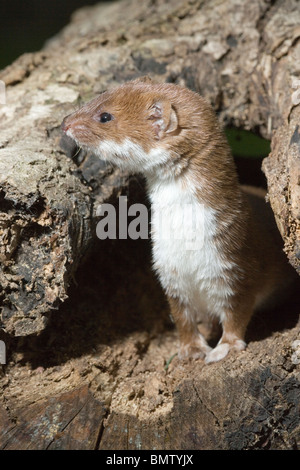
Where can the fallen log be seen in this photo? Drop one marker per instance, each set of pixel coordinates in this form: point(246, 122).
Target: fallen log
point(244, 57)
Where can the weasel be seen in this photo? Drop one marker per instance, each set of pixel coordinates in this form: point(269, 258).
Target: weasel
point(222, 256)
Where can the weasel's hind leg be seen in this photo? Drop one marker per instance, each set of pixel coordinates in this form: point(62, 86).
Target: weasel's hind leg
point(234, 328)
point(192, 343)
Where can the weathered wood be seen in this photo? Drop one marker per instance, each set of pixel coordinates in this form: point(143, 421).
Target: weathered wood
point(71, 420)
point(112, 336)
point(47, 219)
point(46, 211)
point(282, 169)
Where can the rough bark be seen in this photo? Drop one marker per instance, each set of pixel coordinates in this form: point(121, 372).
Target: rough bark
point(244, 57)
point(47, 219)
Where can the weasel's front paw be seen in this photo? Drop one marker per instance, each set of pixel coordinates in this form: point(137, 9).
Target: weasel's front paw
point(196, 349)
point(222, 349)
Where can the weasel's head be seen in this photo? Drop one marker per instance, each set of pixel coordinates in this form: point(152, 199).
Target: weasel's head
point(137, 125)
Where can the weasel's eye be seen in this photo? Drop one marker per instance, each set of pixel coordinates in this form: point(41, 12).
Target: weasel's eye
point(105, 117)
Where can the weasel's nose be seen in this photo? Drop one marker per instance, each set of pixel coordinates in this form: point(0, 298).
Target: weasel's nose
point(65, 126)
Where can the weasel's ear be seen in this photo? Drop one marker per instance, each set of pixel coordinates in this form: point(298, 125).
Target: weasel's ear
point(164, 118)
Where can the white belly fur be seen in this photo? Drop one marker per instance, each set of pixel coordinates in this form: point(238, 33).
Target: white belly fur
point(184, 253)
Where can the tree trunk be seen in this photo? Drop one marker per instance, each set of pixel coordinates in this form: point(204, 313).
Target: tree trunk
point(99, 373)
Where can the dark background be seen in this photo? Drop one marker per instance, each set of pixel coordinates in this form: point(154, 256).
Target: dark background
point(26, 25)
